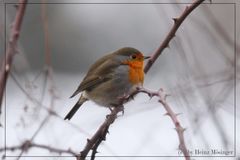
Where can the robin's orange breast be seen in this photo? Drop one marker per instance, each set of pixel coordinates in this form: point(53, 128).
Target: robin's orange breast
point(136, 73)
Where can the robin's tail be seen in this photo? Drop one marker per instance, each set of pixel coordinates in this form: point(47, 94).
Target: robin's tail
point(75, 107)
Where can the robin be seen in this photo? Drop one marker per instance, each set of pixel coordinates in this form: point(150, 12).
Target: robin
point(111, 77)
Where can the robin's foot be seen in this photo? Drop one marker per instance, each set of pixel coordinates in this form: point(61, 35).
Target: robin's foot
point(126, 97)
point(115, 109)
point(121, 109)
point(110, 108)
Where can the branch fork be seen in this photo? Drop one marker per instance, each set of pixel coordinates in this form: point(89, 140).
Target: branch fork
point(100, 135)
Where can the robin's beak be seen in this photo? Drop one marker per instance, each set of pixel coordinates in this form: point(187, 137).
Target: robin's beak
point(146, 57)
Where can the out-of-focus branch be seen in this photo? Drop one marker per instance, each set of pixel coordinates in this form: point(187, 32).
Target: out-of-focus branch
point(177, 22)
point(46, 33)
point(11, 48)
point(162, 99)
point(30, 141)
point(25, 146)
point(46, 108)
point(219, 28)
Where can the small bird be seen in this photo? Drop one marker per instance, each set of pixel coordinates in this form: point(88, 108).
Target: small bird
point(110, 78)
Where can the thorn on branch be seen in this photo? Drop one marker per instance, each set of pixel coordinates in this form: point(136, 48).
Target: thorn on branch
point(167, 114)
point(104, 138)
point(175, 20)
point(150, 96)
point(88, 140)
point(162, 95)
point(122, 111)
point(177, 114)
point(180, 129)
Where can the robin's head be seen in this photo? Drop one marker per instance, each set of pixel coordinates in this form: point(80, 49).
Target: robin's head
point(131, 56)
point(134, 59)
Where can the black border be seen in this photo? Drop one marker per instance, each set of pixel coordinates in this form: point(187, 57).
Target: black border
point(235, 76)
point(5, 113)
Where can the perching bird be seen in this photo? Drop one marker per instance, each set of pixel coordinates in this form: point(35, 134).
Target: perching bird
point(111, 77)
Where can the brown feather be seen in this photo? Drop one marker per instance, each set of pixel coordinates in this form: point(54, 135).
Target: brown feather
point(98, 75)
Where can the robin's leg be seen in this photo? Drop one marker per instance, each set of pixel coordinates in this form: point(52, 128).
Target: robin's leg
point(110, 108)
point(127, 97)
point(121, 108)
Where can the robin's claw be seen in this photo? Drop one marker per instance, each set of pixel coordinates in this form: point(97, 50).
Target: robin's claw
point(110, 108)
point(123, 112)
point(124, 98)
point(121, 109)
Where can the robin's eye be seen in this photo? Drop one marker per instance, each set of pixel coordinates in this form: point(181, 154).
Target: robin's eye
point(134, 56)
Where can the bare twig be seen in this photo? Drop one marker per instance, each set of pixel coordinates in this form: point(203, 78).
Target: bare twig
point(46, 108)
point(46, 33)
point(177, 22)
point(26, 145)
point(162, 99)
point(11, 48)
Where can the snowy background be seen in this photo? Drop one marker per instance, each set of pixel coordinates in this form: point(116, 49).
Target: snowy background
point(197, 70)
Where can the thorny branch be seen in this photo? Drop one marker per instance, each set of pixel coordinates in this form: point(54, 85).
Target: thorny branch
point(162, 99)
point(177, 22)
point(11, 48)
point(100, 135)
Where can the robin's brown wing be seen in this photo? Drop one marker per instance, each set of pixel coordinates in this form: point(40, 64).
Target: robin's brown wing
point(94, 77)
point(89, 83)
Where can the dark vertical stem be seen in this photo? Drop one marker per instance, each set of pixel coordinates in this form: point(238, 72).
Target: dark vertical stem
point(11, 48)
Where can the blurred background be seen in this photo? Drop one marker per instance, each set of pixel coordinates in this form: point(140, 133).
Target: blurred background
point(60, 40)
